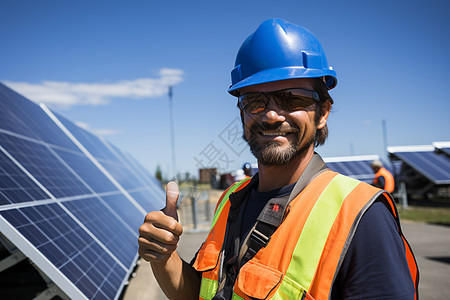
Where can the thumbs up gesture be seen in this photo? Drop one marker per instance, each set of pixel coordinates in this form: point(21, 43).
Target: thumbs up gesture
point(171, 200)
point(160, 233)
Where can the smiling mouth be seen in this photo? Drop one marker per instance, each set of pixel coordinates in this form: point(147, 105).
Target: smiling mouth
point(275, 133)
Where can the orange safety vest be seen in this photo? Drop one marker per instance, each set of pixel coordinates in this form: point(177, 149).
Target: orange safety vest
point(324, 216)
point(389, 183)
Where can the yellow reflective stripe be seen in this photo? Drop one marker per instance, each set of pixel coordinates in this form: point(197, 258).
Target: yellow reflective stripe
point(208, 288)
point(289, 289)
point(225, 199)
point(236, 297)
point(314, 235)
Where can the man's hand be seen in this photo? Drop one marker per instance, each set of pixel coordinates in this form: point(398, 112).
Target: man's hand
point(160, 233)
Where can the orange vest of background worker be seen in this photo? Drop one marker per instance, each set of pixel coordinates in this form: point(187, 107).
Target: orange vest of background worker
point(281, 269)
point(383, 178)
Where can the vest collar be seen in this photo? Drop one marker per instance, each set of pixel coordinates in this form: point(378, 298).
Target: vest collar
point(314, 168)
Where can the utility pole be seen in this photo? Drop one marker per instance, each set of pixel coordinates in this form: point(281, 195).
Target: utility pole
point(385, 136)
point(174, 168)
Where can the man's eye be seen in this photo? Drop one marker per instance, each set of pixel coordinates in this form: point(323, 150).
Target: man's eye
point(301, 102)
point(255, 106)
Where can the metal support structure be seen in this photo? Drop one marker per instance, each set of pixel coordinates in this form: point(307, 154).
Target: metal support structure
point(207, 206)
point(174, 168)
point(14, 258)
point(194, 198)
point(196, 212)
point(51, 292)
point(15, 255)
point(52, 289)
point(385, 141)
point(403, 194)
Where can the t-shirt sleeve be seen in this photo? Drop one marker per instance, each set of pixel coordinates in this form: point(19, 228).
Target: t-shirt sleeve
point(375, 265)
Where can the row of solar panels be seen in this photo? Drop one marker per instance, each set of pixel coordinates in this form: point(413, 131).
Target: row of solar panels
point(431, 162)
point(70, 201)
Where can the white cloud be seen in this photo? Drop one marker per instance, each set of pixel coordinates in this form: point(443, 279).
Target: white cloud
point(66, 94)
point(101, 132)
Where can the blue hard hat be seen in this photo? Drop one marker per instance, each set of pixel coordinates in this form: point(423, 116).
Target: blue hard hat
point(280, 50)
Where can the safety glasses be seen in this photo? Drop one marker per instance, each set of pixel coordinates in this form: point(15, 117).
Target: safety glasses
point(287, 99)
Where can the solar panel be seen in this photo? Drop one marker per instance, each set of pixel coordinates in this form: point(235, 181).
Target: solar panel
point(109, 161)
point(69, 200)
point(442, 147)
point(434, 166)
point(357, 167)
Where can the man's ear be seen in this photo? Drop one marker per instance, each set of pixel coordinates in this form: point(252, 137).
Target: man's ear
point(325, 108)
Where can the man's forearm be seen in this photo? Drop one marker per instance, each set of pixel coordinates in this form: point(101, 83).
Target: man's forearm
point(177, 279)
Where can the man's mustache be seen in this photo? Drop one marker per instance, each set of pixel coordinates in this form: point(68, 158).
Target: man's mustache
point(274, 127)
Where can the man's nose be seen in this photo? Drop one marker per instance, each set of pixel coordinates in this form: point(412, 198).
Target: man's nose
point(273, 113)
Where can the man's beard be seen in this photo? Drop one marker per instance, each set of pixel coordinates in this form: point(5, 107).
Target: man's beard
point(271, 154)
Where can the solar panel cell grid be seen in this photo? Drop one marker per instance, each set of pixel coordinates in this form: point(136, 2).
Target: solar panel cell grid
point(122, 174)
point(21, 116)
point(46, 228)
point(143, 197)
point(144, 175)
point(88, 140)
point(87, 171)
point(15, 185)
point(44, 166)
point(358, 169)
point(107, 227)
point(71, 213)
point(127, 211)
point(133, 168)
point(435, 167)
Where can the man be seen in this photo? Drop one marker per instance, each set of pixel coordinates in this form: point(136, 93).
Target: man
point(295, 230)
point(383, 178)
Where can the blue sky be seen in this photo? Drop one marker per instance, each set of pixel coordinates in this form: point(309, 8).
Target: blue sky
point(107, 64)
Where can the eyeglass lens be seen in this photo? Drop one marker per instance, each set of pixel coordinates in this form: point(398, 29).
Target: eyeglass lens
point(289, 100)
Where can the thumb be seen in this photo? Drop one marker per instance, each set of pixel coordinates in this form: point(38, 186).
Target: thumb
point(171, 200)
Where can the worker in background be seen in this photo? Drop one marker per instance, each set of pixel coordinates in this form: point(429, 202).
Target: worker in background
point(247, 167)
point(244, 172)
point(383, 178)
point(296, 229)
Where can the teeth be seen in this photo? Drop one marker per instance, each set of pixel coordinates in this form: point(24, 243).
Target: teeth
point(271, 133)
